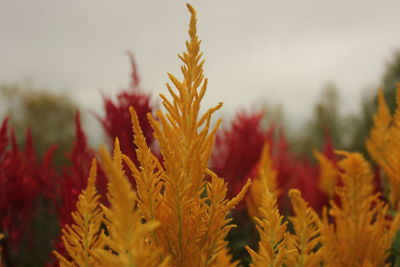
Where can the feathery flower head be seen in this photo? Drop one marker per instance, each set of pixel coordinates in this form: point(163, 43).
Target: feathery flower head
point(192, 211)
point(273, 247)
point(383, 144)
point(328, 174)
point(253, 199)
point(306, 240)
point(359, 218)
point(127, 242)
point(83, 237)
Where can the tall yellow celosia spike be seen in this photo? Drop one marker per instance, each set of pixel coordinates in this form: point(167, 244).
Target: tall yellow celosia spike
point(212, 241)
point(307, 230)
point(328, 174)
point(127, 240)
point(357, 181)
point(391, 158)
point(84, 236)
point(361, 218)
point(269, 171)
point(253, 201)
point(377, 142)
point(117, 155)
point(383, 144)
point(274, 239)
point(149, 176)
point(194, 224)
point(185, 137)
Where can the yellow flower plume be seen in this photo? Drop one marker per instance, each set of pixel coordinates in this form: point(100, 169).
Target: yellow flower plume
point(256, 191)
point(127, 240)
point(307, 238)
point(360, 233)
point(383, 144)
point(84, 236)
point(377, 142)
point(328, 174)
point(148, 177)
point(192, 211)
point(273, 245)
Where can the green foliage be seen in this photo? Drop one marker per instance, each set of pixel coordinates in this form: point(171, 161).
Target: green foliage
point(362, 122)
point(49, 116)
point(326, 122)
point(348, 132)
point(390, 79)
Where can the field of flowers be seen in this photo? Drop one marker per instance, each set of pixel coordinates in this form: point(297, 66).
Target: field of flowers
point(178, 191)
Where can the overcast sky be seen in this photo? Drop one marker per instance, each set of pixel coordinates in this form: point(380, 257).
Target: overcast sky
point(274, 51)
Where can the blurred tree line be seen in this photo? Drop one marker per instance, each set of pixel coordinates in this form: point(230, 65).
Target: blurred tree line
point(363, 122)
point(48, 115)
point(347, 131)
point(50, 118)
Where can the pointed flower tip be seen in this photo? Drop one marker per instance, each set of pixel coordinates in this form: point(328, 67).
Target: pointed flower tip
point(116, 141)
point(93, 173)
point(382, 106)
point(191, 9)
point(248, 183)
point(134, 116)
point(117, 147)
point(294, 193)
point(245, 188)
point(342, 153)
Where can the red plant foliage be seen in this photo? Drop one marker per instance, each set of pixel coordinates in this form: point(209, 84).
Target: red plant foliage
point(237, 153)
point(116, 123)
point(22, 179)
point(117, 120)
point(74, 180)
point(238, 148)
point(75, 176)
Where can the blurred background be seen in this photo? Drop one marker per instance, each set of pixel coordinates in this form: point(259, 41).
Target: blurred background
point(260, 52)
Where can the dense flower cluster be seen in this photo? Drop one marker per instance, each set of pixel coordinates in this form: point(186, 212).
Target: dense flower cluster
point(23, 178)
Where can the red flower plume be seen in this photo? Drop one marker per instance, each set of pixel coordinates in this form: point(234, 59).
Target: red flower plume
point(238, 148)
point(22, 179)
point(117, 120)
